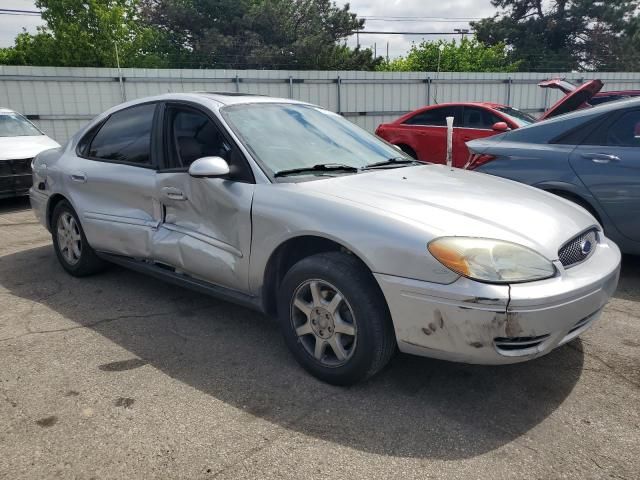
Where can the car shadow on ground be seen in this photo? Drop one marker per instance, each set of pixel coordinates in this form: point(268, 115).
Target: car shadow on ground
point(15, 204)
point(416, 407)
point(629, 279)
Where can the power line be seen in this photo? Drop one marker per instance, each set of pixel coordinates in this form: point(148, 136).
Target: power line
point(372, 32)
point(417, 17)
point(11, 11)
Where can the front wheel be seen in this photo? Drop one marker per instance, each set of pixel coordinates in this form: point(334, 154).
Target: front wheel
point(334, 318)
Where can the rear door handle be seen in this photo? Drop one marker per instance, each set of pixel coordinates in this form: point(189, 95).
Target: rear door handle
point(601, 157)
point(79, 177)
point(174, 194)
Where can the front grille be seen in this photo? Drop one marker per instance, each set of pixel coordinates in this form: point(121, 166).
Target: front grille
point(518, 343)
point(15, 176)
point(578, 249)
point(15, 167)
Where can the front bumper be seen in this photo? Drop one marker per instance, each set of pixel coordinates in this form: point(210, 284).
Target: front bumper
point(472, 322)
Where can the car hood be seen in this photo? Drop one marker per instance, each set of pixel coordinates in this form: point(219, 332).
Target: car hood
point(13, 148)
point(448, 201)
point(574, 100)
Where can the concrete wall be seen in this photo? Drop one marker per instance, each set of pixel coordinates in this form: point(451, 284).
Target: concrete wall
point(61, 100)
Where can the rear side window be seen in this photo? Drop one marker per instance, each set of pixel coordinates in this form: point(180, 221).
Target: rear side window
point(625, 132)
point(437, 117)
point(479, 118)
point(125, 136)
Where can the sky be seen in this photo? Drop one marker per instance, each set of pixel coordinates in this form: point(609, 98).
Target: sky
point(424, 16)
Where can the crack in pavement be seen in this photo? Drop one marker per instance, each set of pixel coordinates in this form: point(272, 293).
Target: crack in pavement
point(89, 325)
point(603, 362)
point(255, 450)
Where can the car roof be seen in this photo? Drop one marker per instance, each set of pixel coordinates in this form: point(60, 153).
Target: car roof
point(6, 110)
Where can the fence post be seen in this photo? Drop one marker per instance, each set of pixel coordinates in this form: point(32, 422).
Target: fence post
point(509, 83)
point(237, 81)
point(339, 83)
point(428, 90)
point(290, 86)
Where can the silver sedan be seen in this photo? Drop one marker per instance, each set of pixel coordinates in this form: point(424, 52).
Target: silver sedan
point(357, 250)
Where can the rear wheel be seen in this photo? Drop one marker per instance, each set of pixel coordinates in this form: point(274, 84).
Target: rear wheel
point(334, 318)
point(72, 249)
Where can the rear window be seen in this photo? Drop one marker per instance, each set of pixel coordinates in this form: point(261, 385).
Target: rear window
point(125, 136)
point(436, 117)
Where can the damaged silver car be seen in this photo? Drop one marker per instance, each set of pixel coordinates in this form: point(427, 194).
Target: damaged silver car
point(357, 249)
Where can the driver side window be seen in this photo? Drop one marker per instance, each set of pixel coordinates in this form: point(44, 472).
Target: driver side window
point(192, 135)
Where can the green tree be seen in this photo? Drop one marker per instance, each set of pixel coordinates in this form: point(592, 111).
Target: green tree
point(563, 35)
point(467, 56)
point(85, 33)
point(294, 34)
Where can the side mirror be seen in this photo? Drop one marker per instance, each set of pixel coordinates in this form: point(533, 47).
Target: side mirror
point(209, 167)
point(500, 127)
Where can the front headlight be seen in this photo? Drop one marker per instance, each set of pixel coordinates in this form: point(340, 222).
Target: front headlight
point(491, 261)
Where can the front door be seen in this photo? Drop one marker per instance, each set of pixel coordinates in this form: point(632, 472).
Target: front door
point(477, 123)
point(206, 225)
point(112, 182)
point(609, 165)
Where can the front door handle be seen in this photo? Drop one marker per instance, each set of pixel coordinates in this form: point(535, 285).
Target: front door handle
point(174, 194)
point(79, 177)
point(601, 157)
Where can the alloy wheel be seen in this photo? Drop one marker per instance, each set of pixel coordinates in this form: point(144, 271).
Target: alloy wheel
point(324, 322)
point(69, 238)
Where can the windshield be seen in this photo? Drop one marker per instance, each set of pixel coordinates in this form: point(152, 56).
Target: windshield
point(520, 118)
point(15, 125)
point(288, 136)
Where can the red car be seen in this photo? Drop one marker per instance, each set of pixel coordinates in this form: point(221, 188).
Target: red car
point(423, 132)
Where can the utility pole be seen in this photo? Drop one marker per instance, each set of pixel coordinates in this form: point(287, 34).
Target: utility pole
point(122, 91)
point(387, 52)
point(461, 31)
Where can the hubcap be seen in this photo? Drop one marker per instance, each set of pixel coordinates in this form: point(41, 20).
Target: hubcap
point(69, 238)
point(324, 322)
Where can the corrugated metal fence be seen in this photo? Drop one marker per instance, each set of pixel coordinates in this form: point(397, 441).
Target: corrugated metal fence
point(61, 100)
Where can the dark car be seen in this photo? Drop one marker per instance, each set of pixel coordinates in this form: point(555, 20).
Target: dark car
point(590, 157)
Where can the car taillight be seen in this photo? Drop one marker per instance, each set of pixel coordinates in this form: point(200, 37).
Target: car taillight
point(476, 160)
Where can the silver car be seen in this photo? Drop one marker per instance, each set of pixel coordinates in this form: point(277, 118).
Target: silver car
point(357, 249)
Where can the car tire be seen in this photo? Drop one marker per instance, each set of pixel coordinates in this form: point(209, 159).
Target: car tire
point(344, 340)
point(70, 243)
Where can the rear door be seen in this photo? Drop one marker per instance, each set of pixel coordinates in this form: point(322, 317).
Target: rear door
point(608, 163)
point(111, 182)
point(429, 129)
point(206, 225)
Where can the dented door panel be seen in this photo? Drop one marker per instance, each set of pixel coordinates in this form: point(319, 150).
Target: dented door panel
point(206, 228)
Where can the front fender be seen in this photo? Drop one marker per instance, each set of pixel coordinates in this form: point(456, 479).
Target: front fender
point(386, 244)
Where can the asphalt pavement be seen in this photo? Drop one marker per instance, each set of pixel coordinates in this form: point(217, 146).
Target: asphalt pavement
point(122, 376)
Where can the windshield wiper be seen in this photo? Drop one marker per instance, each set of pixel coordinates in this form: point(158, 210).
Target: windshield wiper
point(323, 167)
point(393, 162)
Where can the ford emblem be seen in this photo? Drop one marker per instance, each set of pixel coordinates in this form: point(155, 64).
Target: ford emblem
point(586, 246)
